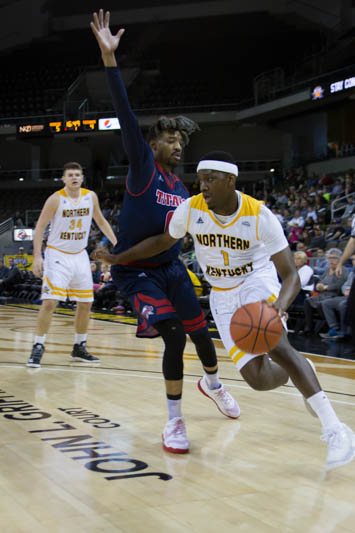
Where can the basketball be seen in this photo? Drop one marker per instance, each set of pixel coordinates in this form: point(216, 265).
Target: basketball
point(256, 328)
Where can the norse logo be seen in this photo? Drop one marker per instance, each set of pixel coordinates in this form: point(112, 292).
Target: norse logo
point(147, 311)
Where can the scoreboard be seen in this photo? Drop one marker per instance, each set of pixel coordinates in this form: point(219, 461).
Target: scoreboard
point(69, 126)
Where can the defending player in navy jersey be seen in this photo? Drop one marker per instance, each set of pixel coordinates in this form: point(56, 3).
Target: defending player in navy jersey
point(238, 243)
point(159, 288)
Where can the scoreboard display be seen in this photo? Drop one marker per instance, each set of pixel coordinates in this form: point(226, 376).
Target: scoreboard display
point(68, 126)
point(72, 126)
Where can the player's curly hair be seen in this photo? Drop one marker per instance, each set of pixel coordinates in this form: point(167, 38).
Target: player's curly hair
point(184, 125)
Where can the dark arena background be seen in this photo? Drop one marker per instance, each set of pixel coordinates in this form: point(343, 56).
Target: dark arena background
point(272, 83)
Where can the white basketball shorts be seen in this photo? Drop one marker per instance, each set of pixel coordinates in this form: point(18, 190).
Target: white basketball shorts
point(67, 275)
point(261, 285)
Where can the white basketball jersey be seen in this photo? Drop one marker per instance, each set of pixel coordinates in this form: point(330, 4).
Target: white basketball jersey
point(70, 226)
point(228, 253)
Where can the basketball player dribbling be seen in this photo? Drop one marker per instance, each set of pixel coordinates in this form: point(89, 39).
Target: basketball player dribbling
point(238, 243)
point(66, 268)
point(159, 289)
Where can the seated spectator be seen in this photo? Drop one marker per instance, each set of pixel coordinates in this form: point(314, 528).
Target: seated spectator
point(347, 233)
point(105, 274)
point(305, 273)
point(317, 241)
point(3, 269)
point(334, 232)
point(308, 225)
point(311, 213)
point(297, 219)
point(329, 285)
point(334, 310)
point(295, 235)
point(301, 247)
point(96, 273)
point(338, 187)
point(12, 277)
point(321, 262)
point(349, 208)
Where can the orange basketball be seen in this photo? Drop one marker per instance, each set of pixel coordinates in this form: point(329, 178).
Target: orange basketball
point(256, 328)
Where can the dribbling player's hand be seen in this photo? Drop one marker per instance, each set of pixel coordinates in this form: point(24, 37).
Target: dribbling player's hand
point(281, 312)
point(38, 267)
point(100, 26)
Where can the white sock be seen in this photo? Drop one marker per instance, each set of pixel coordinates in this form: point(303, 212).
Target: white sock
point(174, 407)
point(322, 406)
point(213, 381)
point(80, 337)
point(40, 339)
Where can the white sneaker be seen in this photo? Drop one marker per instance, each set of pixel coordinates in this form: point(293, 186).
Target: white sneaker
point(174, 436)
point(340, 446)
point(221, 397)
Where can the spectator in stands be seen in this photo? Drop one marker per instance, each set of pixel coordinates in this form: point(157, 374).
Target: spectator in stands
point(349, 209)
point(338, 187)
point(3, 269)
point(334, 232)
point(305, 273)
point(12, 277)
point(297, 219)
point(311, 213)
point(329, 285)
point(317, 241)
point(321, 263)
point(18, 222)
point(334, 310)
point(21, 260)
point(301, 247)
point(349, 184)
point(96, 274)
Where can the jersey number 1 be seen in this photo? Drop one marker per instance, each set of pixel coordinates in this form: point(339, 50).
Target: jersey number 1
point(225, 257)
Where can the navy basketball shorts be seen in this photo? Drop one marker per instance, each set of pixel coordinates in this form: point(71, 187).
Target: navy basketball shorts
point(160, 293)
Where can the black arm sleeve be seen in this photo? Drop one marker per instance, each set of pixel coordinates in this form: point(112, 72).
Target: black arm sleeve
point(139, 153)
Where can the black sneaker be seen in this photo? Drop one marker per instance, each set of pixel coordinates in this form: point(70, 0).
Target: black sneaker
point(36, 356)
point(80, 353)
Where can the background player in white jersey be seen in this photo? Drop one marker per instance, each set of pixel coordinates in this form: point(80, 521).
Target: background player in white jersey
point(238, 243)
point(66, 267)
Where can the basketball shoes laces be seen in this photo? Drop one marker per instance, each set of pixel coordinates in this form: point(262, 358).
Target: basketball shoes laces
point(224, 401)
point(341, 442)
point(174, 436)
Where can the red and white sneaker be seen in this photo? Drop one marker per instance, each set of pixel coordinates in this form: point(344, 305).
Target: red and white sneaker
point(174, 436)
point(221, 397)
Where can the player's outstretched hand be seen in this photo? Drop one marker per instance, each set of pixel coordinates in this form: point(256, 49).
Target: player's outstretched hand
point(100, 26)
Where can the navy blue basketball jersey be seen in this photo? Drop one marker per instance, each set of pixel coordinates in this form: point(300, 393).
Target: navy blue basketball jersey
point(151, 195)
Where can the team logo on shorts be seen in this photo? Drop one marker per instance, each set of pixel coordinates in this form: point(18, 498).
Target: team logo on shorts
point(46, 289)
point(147, 311)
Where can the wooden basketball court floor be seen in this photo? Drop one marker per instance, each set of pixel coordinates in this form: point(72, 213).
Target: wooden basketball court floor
point(81, 445)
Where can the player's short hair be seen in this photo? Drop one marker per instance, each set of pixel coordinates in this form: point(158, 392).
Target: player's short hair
point(71, 165)
point(184, 125)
